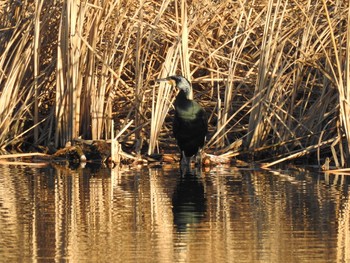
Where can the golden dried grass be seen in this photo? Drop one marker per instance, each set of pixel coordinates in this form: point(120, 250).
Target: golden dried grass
point(272, 74)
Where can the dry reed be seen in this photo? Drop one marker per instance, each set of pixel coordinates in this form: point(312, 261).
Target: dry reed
point(273, 75)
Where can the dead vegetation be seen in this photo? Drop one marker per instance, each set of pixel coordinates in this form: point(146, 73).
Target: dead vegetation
point(273, 75)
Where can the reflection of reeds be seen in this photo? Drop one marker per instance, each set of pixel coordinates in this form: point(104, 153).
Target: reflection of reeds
point(273, 75)
point(89, 215)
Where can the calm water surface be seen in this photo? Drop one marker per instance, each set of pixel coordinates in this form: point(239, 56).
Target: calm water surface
point(154, 215)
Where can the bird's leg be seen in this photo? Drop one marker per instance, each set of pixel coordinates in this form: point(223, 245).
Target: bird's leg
point(199, 158)
point(198, 161)
point(189, 164)
point(185, 164)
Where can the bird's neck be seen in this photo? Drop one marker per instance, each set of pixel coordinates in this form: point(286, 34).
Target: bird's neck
point(188, 94)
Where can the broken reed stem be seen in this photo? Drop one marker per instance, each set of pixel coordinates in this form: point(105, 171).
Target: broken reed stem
point(300, 153)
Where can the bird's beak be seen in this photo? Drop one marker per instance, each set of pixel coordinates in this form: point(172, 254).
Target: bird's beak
point(161, 80)
point(168, 80)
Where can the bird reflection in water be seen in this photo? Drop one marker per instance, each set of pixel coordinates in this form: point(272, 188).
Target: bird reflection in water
point(189, 202)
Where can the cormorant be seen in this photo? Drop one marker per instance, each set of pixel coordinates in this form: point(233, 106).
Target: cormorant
point(190, 124)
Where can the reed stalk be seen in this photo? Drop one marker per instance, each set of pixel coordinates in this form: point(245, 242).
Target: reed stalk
point(161, 97)
point(258, 127)
point(38, 7)
point(16, 53)
point(339, 65)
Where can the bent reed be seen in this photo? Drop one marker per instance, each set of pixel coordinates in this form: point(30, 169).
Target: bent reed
point(273, 75)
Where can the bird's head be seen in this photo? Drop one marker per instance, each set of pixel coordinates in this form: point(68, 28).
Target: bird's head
point(181, 83)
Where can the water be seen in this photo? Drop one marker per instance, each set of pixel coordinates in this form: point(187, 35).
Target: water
point(154, 215)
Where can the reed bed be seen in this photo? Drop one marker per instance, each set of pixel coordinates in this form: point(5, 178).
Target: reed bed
point(273, 75)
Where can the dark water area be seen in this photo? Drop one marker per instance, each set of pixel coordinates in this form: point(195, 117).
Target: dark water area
point(155, 215)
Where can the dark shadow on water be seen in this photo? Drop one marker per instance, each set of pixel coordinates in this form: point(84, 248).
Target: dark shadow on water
point(189, 202)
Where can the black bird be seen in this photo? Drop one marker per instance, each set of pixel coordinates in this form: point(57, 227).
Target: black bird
point(190, 124)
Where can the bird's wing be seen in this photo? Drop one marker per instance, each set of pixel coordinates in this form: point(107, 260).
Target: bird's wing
point(202, 114)
point(176, 125)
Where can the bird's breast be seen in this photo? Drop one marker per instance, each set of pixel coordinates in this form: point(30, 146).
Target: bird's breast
point(187, 113)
